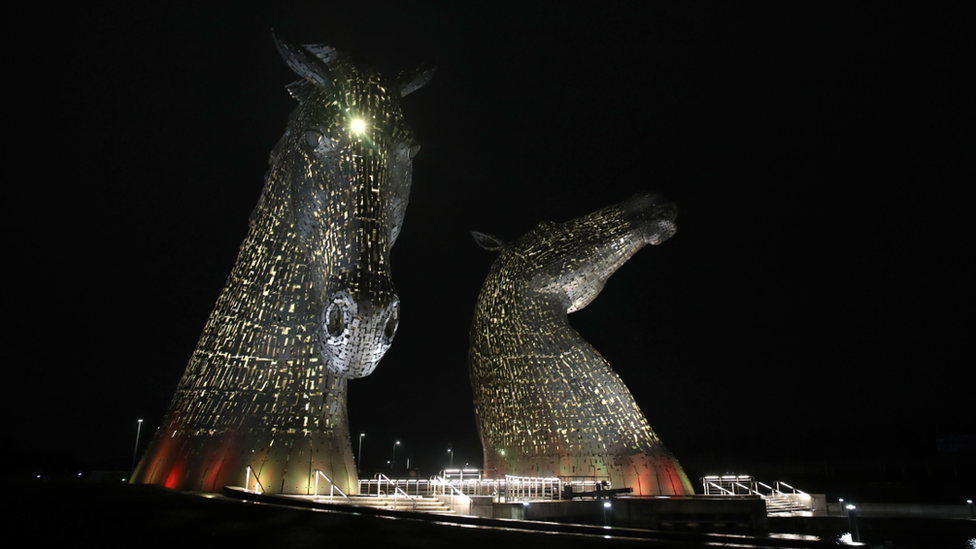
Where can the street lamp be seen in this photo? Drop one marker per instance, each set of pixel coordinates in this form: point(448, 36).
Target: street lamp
point(852, 522)
point(136, 449)
point(359, 469)
point(393, 461)
point(451, 466)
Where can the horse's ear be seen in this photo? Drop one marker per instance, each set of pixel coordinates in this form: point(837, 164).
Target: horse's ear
point(310, 61)
point(411, 81)
point(488, 242)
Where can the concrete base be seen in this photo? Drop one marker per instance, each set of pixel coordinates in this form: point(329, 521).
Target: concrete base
point(905, 510)
point(682, 513)
point(471, 506)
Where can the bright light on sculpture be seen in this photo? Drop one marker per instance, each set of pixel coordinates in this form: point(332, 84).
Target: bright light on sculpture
point(357, 126)
point(310, 302)
point(546, 402)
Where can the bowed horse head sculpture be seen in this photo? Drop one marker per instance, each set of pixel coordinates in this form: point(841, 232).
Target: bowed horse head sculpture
point(547, 403)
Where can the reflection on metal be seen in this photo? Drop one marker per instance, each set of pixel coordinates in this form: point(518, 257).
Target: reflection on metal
point(546, 402)
point(310, 302)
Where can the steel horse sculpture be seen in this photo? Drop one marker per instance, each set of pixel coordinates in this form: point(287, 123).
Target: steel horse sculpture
point(546, 402)
point(310, 302)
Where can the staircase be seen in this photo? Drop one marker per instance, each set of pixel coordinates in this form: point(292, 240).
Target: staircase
point(419, 504)
point(778, 501)
point(783, 504)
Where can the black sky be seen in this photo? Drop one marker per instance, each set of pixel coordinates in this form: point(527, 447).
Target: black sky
point(812, 305)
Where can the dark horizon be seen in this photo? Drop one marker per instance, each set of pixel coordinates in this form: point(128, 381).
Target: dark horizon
point(810, 308)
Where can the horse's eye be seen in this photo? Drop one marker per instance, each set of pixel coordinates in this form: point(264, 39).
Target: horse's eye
point(334, 322)
point(312, 138)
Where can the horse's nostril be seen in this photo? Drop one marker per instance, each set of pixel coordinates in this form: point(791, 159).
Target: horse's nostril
point(333, 321)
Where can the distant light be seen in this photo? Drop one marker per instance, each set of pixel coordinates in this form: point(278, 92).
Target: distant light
point(357, 126)
point(606, 504)
point(851, 507)
point(525, 504)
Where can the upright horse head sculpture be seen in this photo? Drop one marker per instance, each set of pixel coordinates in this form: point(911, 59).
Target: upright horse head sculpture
point(310, 302)
point(547, 403)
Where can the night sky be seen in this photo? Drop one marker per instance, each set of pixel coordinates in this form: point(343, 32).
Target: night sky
point(811, 308)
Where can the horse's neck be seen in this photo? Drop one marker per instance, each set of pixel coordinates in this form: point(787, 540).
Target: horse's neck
point(524, 309)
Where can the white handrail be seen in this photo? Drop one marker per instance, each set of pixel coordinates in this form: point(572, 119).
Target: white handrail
point(332, 490)
point(748, 489)
point(397, 490)
point(443, 482)
point(247, 482)
point(730, 492)
point(795, 491)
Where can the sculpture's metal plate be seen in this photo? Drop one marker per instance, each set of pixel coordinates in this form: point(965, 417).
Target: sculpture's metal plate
point(310, 302)
point(546, 402)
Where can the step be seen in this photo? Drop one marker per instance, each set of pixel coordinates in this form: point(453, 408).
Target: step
point(400, 503)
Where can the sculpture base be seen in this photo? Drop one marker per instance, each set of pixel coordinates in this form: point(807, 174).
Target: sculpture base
point(286, 464)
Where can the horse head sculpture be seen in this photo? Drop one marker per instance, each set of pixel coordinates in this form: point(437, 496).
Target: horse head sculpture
point(340, 179)
point(547, 403)
point(310, 302)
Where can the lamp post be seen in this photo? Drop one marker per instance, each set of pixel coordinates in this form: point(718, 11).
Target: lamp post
point(451, 466)
point(852, 522)
point(359, 464)
point(393, 461)
point(136, 449)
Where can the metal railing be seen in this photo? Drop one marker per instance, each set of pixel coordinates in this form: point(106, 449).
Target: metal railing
point(580, 484)
point(396, 490)
point(380, 486)
point(333, 487)
point(793, 490)
point(457, 483)
point(532, 488)
point(247, 482)
point(443, 483)
point(742, 485)
point(730, 485)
